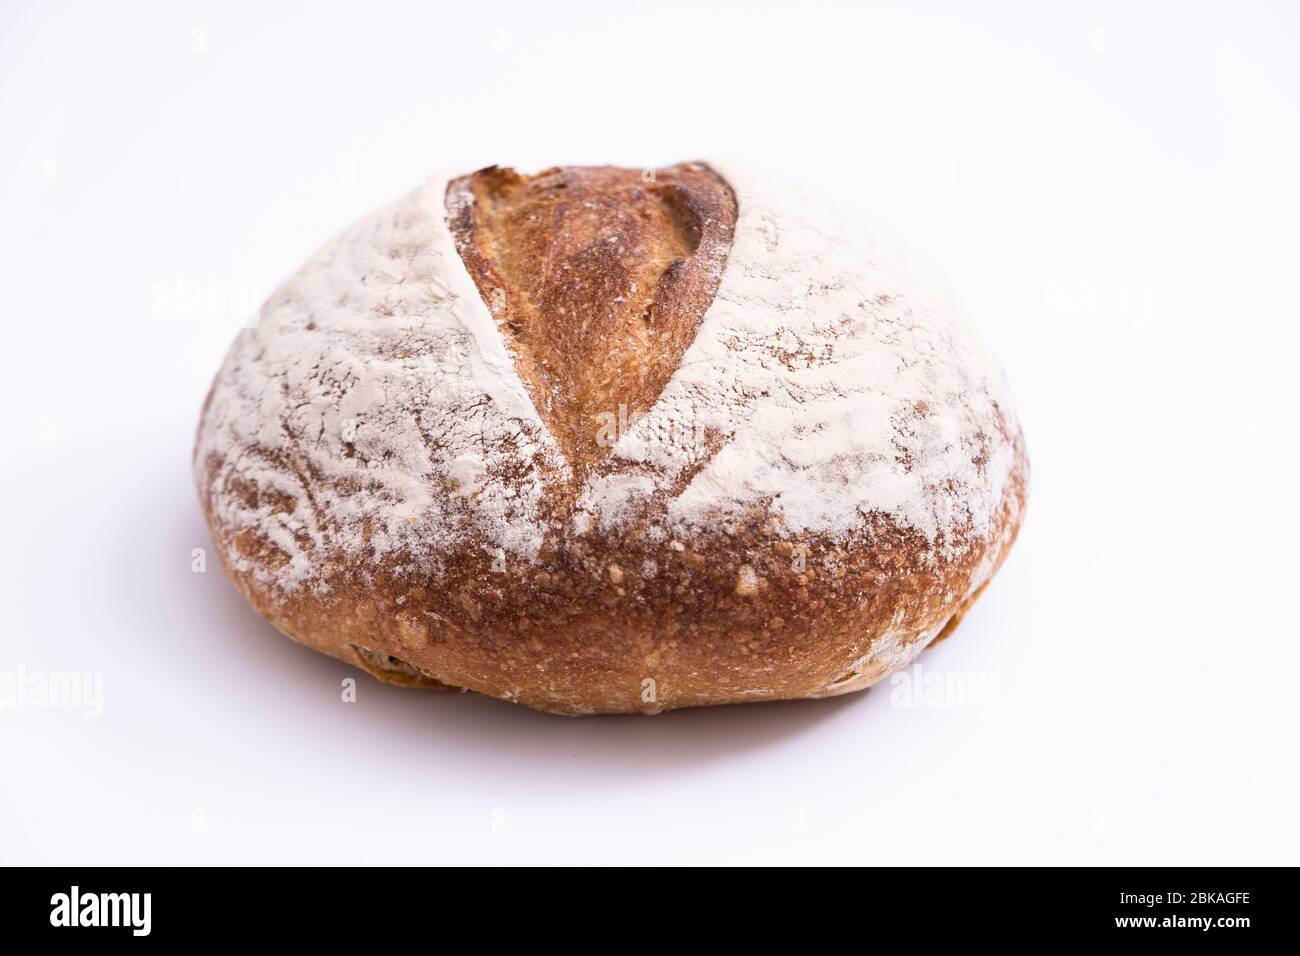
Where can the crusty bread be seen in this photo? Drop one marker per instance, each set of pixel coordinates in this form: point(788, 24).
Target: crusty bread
point(602, 440)
point(596, 277)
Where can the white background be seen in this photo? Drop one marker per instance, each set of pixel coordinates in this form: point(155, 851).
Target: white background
point(1112, 191)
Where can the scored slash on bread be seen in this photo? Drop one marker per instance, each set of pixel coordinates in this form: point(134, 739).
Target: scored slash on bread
point(599, 276)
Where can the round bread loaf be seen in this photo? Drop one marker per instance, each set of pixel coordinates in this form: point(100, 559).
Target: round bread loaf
point(602, 440)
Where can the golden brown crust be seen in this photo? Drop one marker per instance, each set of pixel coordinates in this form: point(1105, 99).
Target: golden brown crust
point(621, 620)
point(749, 616)
point(593, 276)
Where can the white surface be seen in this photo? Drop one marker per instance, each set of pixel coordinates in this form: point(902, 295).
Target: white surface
point(1137, 653)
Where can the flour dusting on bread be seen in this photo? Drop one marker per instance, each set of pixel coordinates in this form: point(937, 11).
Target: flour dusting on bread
point(839, 382)
point(376, 411)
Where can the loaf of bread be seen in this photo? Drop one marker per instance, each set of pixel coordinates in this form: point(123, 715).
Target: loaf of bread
point(601, 440)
